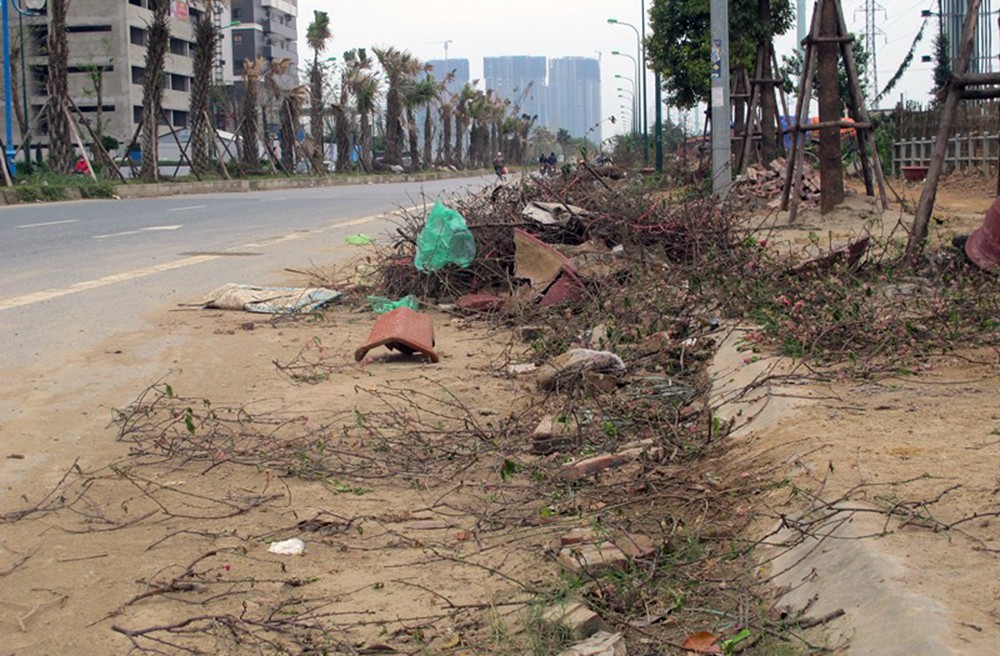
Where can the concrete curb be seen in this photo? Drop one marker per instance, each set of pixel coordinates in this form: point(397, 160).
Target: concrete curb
point(153, 190)
point(9, 196)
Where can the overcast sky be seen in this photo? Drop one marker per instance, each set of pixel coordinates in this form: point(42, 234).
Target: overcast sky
point(560, 28)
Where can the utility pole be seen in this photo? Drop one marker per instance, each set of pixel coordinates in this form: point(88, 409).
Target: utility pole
point(800, 19)
point(722, 164)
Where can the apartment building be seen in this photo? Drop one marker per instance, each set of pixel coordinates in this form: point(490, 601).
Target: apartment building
point(107, 50)
point(107, 40)
point(575, 96)
point(265, 28)
point(521, 80)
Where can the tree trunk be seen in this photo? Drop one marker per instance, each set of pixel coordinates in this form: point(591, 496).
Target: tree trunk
point(428, 136)
point(768, 107)
point(393, 125)
point(411, 128)
point(152, 89)
point(342, 128)
point(60, 142)
point(250, 127)
point(289, 119)
point(366, 141)
point(206, 38)
point(830, 170)
point(316, 114)
point(445, 153)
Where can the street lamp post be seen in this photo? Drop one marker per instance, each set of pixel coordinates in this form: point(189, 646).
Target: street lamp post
point(34, 7)
point(635, 62)
point(640, 52)
point(635, 107)
point(631, 98)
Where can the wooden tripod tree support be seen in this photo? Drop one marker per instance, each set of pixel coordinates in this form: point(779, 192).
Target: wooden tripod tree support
point(98, 147)
point(953, 91)
point(829, 14)
point(765, 81)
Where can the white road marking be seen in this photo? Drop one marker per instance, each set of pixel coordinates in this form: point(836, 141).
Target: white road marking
point(117, 234)
point(140, 231)
point(189, 207)
point(49, 294)
point(47, 223)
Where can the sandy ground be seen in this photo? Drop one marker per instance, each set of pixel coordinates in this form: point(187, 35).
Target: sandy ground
point(401, 549)
point(925, 445)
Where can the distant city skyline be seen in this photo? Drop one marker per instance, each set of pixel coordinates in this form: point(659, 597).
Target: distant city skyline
point(560, 92)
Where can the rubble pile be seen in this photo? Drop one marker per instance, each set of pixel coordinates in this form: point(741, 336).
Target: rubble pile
point(763, 185)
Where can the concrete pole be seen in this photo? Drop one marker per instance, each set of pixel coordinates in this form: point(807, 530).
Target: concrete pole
point(800, 19)
point(722, 165)
point(658, 99)
point(645, 97)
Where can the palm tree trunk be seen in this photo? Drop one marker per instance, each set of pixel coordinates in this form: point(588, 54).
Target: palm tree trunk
point(428, 135)
point(342, 129)
point(393, 125)
point(249, 128)
point(206, 38)
point(366, 141)
point(316, 114)
point(152, 89)
point(444, 154)
point(411, 128)
point(60, 142)
point(289, 120)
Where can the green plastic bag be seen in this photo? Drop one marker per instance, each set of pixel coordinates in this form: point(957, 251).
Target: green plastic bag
point(360, 239)
point(444, 240)
point(381, 304)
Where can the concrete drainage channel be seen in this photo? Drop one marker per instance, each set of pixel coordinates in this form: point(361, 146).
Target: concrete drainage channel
point(841, 570)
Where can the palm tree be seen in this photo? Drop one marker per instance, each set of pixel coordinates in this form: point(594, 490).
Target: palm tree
point(394, 65)
point(462, 120)
point(342, 115)
point(206, 36)
point(249, 119)
point(440, 91)
point(152, 88)
point(60, 143)
point(318, 35)
point(362, 83)
point(272, 77)
point(292, 101)
point(418, 94)
point(448, 106)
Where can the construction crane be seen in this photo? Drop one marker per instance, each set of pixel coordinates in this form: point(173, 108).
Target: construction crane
point(444, 43)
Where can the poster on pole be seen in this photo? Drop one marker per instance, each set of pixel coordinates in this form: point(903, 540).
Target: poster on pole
point(716, 58)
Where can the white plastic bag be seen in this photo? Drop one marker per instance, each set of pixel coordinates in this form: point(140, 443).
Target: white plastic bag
point(290, 547)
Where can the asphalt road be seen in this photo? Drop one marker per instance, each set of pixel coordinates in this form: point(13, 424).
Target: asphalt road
point(71, 274)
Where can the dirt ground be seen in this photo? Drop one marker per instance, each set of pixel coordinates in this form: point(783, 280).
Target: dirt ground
point(402, 548)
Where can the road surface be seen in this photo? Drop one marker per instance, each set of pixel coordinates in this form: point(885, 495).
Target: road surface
point(84, 279)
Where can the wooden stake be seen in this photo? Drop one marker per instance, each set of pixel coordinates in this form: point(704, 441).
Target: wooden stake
point(921, 218)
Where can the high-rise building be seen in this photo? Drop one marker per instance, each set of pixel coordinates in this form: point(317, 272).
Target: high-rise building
point(575, 97)
point(106, 40)
point(441, 67)
point(521, 80)
point(265, 28)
